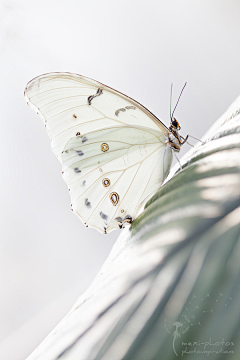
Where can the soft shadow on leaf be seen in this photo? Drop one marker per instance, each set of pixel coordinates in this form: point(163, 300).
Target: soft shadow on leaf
point(170, 286)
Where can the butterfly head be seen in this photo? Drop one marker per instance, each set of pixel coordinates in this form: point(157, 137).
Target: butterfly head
point(174, 139)
point(174, 125)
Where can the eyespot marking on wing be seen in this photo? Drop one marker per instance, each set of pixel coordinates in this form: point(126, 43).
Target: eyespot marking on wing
point(105, 217)
point(124, 109)
point(91, 97)
point(79, 152)
point(106, 182)
point(114, 197)
point(122, 211)
point(78, 133)
point(77, 170)
point(104, 147)
point(87, 203)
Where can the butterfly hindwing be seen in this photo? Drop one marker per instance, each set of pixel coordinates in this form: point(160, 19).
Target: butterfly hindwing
point(111, 173)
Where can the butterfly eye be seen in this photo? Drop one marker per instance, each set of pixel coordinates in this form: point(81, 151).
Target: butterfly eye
point(114, 197)
point(104, 147)
point(106, 182)
point(175, 123)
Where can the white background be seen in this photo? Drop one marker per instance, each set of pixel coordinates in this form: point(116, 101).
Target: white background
point(47, 257)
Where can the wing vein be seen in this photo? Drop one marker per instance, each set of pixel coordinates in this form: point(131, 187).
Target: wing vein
point(105, 196)
point(60, 88)
point(79, 161)
point(147, 183)
point(64, 98)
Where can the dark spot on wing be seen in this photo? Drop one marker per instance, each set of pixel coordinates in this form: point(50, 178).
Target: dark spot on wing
point(84, 183)
point(77, 170)
point(118, 111)
point(131, 107)
point(105, 217)
point(124, 109)
point(87, 203)
point(91, 97)
point(120, 221)
point(78, 133)
point(79, 152)
point(84, 139)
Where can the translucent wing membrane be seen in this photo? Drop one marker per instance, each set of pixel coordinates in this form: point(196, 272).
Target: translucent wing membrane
point(112, 172)
point(63, 99)
point(113, 150)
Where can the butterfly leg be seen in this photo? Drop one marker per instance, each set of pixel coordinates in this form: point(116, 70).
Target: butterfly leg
point(183, 142)
point(128, 220)
point(177, 160)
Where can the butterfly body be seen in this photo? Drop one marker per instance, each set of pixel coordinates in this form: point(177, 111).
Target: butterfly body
point(114, 152)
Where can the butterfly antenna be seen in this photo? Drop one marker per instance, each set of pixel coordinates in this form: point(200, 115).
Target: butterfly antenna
point(171, 102)
point(178, 100)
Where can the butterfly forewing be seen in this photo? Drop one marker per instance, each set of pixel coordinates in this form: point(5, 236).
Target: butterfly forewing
point(63, 102)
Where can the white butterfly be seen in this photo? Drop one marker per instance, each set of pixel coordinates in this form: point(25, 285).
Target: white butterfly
point(115, 153)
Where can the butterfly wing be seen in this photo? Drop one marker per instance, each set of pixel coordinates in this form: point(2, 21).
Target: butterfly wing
point(112, 171)
point(71, 104)
point(101, 135)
